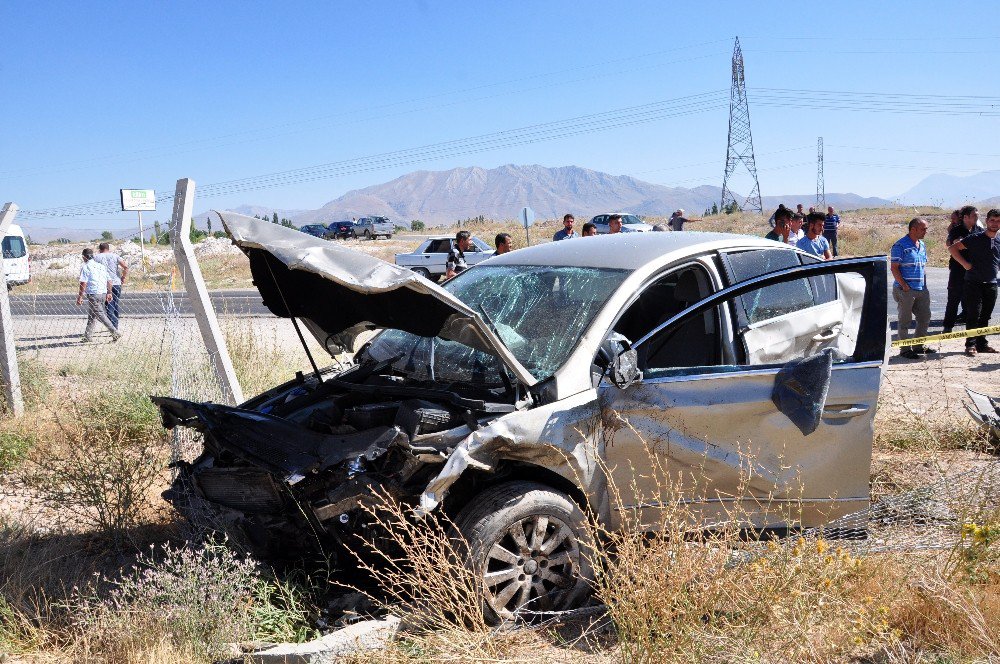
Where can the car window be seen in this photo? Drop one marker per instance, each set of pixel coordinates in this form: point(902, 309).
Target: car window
point(771, 301)
point(13, 247)
point(631, 219)
point(795, 329)
point(696, 343)
point(439, 247)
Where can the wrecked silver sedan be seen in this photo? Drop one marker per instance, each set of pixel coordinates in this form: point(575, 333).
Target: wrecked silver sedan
point(511, 397)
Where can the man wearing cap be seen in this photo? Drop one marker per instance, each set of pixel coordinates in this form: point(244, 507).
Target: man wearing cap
point(95, 283)
point(567, 232)
point(677, 220)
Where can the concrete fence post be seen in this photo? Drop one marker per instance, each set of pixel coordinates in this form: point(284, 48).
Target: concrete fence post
point(9, 373)
point(197, 292)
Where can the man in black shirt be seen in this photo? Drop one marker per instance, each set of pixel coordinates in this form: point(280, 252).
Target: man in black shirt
point(968, 218)
point(982, 271)
point(456, 259)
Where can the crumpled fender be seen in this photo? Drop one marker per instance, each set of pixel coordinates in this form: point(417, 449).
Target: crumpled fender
point(562, 437)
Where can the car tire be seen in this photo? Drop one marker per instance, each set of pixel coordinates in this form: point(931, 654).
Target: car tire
point(524, 572)
point(423, 272)
point(368, 235)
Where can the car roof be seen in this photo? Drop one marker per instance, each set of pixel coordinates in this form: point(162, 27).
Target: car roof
point(627, 250)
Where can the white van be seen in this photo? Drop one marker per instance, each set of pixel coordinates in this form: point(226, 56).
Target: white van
point(16, 263)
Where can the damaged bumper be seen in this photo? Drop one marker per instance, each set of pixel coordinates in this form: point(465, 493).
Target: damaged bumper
point(986, 412)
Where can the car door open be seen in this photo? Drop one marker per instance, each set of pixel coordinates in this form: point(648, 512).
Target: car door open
point(712, 402)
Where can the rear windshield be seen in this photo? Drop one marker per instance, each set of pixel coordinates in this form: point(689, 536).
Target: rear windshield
point(13, 247)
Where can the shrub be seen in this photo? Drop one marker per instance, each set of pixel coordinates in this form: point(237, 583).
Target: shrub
point(200, 599)
point(98, 468)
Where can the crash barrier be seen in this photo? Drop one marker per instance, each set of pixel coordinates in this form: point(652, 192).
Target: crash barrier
point(940, 515)
point(974, 332)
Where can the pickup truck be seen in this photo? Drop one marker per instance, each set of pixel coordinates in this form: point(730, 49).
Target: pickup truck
point(371, 227)
point(429, 259)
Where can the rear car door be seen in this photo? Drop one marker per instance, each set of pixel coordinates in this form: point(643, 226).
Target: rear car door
point(701, 426)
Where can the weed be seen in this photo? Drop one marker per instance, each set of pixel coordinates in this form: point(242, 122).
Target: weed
point(98, 470)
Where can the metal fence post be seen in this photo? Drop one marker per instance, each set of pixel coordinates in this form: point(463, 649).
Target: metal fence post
point(9, 373)
point(197, 292)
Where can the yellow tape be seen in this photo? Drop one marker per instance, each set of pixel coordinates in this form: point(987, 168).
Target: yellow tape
point(975, 332)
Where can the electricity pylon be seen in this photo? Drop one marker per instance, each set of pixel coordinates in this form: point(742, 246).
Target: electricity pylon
point(740, 149)
point(820, 185)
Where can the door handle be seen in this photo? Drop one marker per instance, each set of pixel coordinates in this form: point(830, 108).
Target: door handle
point(845, 412)
point(827, 335)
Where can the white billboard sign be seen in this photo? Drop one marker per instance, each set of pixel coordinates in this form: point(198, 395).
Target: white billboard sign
point(138, 200)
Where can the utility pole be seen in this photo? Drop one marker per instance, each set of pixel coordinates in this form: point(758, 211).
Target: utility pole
point(820, 185)
point(740, 148)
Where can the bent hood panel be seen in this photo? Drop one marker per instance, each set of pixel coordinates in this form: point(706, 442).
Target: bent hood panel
point(281, 447)
point(341, 291)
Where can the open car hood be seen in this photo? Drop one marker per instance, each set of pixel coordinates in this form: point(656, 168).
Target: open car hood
point(338, 292)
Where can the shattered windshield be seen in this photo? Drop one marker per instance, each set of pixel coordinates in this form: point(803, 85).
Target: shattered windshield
point(538, 311)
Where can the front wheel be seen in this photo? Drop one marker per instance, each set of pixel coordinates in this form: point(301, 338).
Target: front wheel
point(527, 541)
point(423, 272)
point(368, 235)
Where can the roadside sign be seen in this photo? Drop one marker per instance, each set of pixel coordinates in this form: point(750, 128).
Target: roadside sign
point(138, 200)
point(527, 218)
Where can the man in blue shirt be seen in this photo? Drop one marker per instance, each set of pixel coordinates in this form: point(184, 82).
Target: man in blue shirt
point(814, 242)
point(909, 270)
point(567, 232)
point(830, 226)
point(981, 261)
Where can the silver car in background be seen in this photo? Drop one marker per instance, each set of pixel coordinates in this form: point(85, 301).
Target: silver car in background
point(372, 228)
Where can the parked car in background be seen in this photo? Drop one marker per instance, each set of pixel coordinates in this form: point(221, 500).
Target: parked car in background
point(630, 223)
point(316, 230)
point(16, 261)
point(537, 391)
point(343, 229)
point(371, 228)
point(430, 258)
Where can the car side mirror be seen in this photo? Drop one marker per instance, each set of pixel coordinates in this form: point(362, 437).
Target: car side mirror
point(619, 361)
point(624, 369)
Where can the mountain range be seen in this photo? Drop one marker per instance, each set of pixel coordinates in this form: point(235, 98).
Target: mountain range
point(442, 197)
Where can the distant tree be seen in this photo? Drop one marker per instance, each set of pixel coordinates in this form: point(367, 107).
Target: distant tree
point(27, 238)
point(731, 208)
point(417, 225)
point(107, 236)
point(287, 223)
point(157, 232)
point(208, 222)
point(274, 217)
point(219, 234)
point(715, 209)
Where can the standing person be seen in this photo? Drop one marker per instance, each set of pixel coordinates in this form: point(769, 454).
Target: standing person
point(117, 272)
point(456, 258)
point(968, 223)
point(567, 232)
point(909, 270)
point(614, 224)
point(800, 211)
point(830, 227)
point(502, 242)
point(781, 218)
point(795, 232)
point(677, 220)
point(982, 271)
point(589, 230)
point(96, 285)
point(814, 242)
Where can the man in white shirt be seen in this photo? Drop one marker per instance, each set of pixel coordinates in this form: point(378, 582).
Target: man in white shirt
point(117, 272)
point(795, 232)
point(95, 283)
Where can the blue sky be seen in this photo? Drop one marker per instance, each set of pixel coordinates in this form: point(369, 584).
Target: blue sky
point(99, 96)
